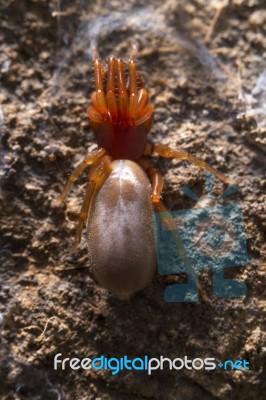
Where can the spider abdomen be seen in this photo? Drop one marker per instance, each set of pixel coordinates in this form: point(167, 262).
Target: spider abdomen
point(120, 231)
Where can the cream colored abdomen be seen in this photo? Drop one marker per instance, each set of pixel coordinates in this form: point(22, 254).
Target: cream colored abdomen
point(120, 231)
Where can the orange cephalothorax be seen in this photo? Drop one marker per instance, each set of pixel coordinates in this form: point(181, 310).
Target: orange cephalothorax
point(120, 114)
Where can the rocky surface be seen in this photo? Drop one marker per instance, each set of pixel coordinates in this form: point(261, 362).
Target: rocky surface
point(203, 65)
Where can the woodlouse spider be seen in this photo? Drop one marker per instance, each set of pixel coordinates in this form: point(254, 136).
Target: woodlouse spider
point(122, 188)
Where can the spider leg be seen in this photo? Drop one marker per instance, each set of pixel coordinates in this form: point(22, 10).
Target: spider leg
point(122, 91)
point(133, 92)
point(139, 111)
point(155, 178)
point(100, 95)
point(94, 114)
point(132, 57)
point(110, 96)
point(97, 177)
point(89, 160)
point(166, 152)
point(143, 98)
point(168, 222)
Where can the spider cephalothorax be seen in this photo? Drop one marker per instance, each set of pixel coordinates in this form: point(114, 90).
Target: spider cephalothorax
point(120, 114)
